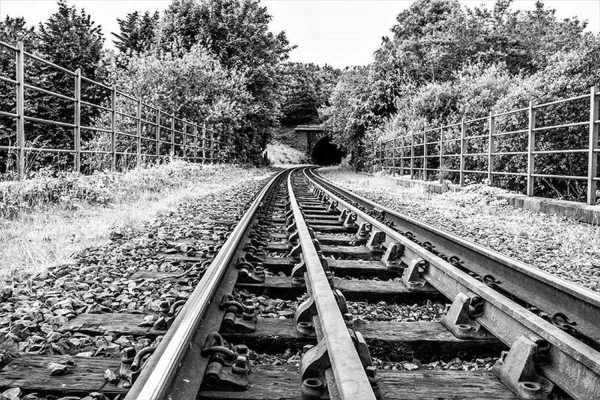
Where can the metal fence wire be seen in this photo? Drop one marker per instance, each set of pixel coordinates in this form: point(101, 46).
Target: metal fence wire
point(517, 146)
point(125, 126)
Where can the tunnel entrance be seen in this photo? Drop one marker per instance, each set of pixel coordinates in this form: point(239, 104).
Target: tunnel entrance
point(326, 153)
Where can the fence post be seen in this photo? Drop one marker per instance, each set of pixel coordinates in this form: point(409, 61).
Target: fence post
point(77, 121)
point(412, 156)
point(530, 150)
point(394, 156)
point(425, 156)
point(462, 153)
point(491, 131)
point(195, 146)
point(440, 177)
point(173, 135)
point(20, 75)
point(402, 138)
point(185, 140)
point(203, 142)
point(113, 128)
point(212, 146)
point(157, 134)
point(138, 127)
point(593, 147)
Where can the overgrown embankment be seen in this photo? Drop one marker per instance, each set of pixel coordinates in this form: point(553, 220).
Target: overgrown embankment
point(73, 190)
point(45, 220)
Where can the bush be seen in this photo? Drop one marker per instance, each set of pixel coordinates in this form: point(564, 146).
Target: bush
point(71, 189)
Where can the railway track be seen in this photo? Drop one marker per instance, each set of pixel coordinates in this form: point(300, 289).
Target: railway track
point(280, 314)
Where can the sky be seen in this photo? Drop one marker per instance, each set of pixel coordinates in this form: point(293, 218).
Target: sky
point(335, 32)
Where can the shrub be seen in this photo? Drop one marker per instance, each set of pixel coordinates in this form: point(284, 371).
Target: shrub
point(70, 189)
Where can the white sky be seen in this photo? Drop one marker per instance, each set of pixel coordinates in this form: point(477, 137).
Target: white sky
point(336, 32)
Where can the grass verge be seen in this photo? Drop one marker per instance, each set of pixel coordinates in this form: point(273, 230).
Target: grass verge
point(50, 227)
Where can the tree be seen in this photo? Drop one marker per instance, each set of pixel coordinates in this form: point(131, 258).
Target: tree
point(237, 33)
point(12, 31)
point(434, 44)
point(306, 88)
point(15, 30)
point(346, 118)
point(195, 87)
point(70, 39)
point(137, 33)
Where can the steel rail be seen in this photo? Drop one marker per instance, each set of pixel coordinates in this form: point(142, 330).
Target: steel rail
point(573, 366)
point(538, 288)
point(350, 377)
point(157, 375)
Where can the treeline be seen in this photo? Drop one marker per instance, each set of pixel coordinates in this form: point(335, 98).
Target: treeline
point(444, 61)
point(212, 62)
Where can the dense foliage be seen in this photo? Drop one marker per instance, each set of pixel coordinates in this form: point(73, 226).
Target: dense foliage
point(444, 61)
point(236, 32)
point(212, 62)
point(195, 87)
point(137, 32)
point(72, 190)
point(306, 88)
point(70, 39)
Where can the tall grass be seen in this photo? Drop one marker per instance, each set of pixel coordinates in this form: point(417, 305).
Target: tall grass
point(50, 187)
point(57, 214)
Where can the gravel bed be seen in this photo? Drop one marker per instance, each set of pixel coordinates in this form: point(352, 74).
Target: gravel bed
point(33, 309)
point(288, 357)
point(456, 364)
point(382, 311)
point(561, 246)
point(269, 307)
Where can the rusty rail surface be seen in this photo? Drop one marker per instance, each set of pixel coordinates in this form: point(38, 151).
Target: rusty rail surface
point(536, 344)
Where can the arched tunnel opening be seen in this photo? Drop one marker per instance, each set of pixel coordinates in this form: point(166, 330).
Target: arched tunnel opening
point(326, 153)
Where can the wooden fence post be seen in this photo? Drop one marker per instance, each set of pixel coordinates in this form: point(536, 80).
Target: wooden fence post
point(530, 150)
point(113, 128)
point(491, 131)
point(20, 75)
point(77, 121)
point(138, 129)
point(462, 153)
point(157, 134)
point(593, 147)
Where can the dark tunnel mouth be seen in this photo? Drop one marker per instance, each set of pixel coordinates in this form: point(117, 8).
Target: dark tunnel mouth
point(326, 153)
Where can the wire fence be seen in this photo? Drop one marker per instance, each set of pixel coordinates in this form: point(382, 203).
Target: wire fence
point(109, 127)
point(548, 149)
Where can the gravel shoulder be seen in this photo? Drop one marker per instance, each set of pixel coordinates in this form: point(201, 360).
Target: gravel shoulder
point(561, 246)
